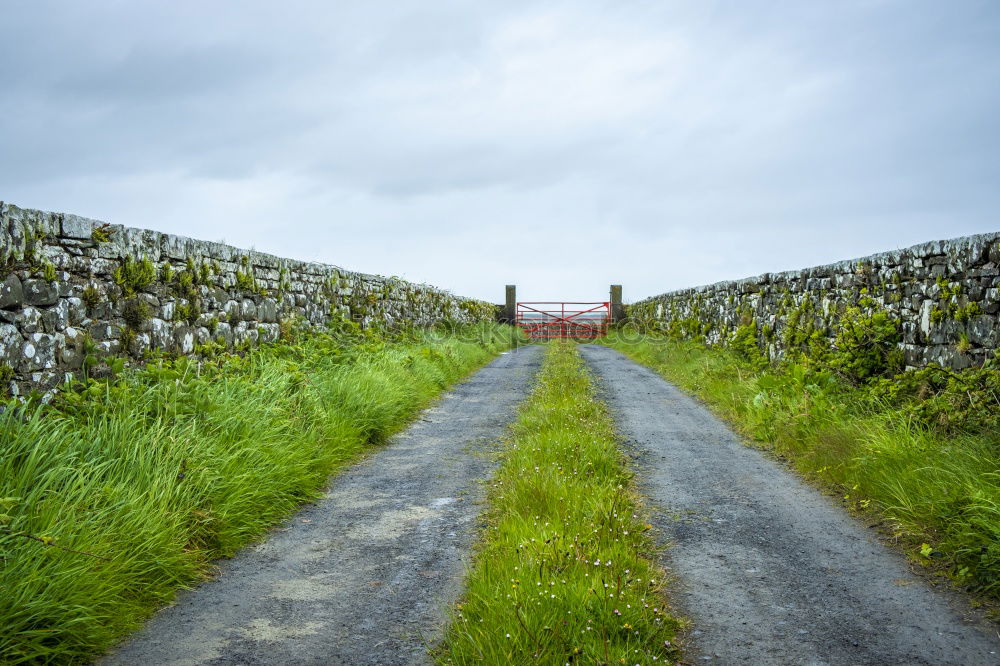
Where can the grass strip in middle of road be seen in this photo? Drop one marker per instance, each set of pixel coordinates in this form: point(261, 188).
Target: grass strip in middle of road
point(562, 574)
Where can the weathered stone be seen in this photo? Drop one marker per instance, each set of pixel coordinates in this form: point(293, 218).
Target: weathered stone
point(65, 288)
point(167, 310)
point(140, 344)
point(232, 311)
point(225, 331)
point(269, 332)
point(983, 331)
point(991, 301)
point(102, 310)
point(70, 351)
point(248, 310)
point(38, 352)
point(11, 293)
point(10, 345)
point(56, 318)
point(240, 332)
point(74, 226)
point(902, 283)
point(109, 347)
point(77, 310)
point(161, 334)
point(30, 307)
point(29, 320)
point(149, 299)
point(267, 311)
point(41, 292)
point(184, 338)
point(104, 331)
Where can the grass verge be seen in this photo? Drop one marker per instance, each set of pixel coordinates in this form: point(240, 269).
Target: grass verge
point(563, 573)
point(936, 492)
point(115, 496)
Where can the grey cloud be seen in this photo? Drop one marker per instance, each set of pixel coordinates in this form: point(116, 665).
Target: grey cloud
point(460, 142)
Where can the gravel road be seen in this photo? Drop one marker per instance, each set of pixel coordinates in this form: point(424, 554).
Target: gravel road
point(365, 575)
point(769, 570)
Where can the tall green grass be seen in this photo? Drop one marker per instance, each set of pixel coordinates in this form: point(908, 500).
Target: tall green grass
point(938, 491)
point(562, 574)
point(151, 477)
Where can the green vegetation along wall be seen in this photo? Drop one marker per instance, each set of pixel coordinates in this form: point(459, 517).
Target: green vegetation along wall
point(936, 303)
point(76, 292)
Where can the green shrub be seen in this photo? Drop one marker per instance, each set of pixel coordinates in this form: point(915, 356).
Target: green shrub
point(101, 233)
point(91, 297)
point(866, 346)
point(188, 312)
point(949, 402)
point(133, 276)
point(135, 313)
point(49, 272)
point(744, 342)
point(246, 281)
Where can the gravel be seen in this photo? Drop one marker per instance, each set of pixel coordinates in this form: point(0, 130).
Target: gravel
point(364, 576)
point(769, 570)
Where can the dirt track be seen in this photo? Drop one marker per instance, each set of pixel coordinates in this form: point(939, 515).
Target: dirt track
point(365, 575)
point(769, 570)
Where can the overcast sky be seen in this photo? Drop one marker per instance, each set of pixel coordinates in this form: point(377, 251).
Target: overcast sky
point(561, 146)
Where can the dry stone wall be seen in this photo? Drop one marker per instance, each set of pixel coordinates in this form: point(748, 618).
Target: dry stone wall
point(944, 295)
point(72, 288)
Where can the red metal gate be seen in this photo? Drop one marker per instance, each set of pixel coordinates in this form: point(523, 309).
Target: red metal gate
point(547, 320)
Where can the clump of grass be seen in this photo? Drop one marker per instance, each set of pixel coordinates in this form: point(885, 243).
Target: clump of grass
point(134, 275)
point(117, 493)
point(49, 272)
point(91, 297)
point(101, 233)
point(135, 313)
point(561, 576)
point(893, 447)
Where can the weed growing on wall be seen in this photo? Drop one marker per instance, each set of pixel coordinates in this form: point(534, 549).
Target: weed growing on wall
point(91, 297)
point(49, 271)
point(135, 313)
point(133, 275)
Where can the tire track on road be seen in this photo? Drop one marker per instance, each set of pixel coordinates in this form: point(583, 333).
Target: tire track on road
point(365, 575)
point(769, 570)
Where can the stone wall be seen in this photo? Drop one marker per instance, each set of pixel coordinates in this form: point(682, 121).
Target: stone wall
point(944, 295)
point(72, 289)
